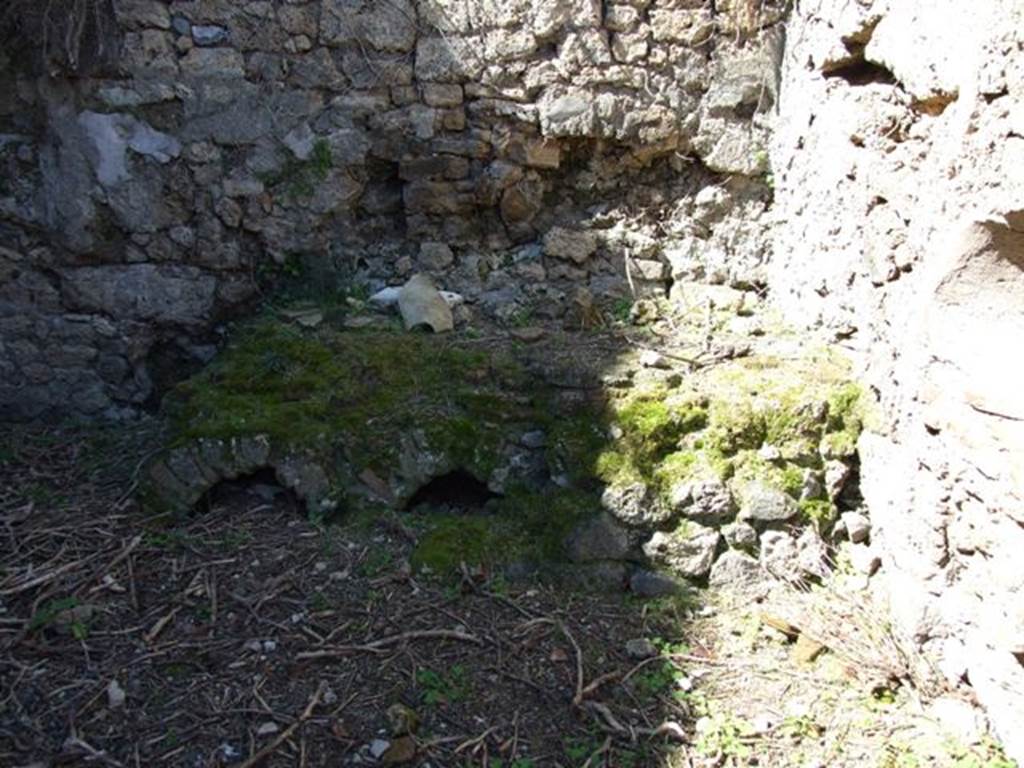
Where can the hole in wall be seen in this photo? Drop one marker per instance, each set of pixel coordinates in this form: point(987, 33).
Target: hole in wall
point(859, 72)
point(168, 362)
point(854, 68)
point(458, 491)
point(258, 491)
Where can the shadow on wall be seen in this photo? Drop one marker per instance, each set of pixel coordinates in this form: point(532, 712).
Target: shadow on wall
point(533, 149)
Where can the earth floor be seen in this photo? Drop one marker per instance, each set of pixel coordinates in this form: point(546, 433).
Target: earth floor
point(246, 635)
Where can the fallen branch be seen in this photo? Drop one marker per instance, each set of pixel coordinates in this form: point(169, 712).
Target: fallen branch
point(287, 732)
point(378, 646)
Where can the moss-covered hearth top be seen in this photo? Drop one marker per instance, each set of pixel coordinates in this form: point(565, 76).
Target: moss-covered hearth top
point(556, 434)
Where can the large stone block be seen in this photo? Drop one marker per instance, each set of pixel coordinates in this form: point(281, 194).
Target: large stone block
point(389, 26)
point(166, 294)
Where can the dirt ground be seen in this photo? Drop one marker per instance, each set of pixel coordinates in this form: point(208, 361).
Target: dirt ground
point(245, 635)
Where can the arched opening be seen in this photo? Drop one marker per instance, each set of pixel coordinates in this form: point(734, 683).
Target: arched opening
point(457, 492)
point(258, 491)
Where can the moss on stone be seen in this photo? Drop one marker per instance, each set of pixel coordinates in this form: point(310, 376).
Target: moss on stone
point(524, 526)
point(355, 399)
point(819, 512)
point(650, 426)
point(356, 390)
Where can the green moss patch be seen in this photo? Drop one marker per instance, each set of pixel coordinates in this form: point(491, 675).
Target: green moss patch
point(525, 526)
point(356, 391)
point(805, 410)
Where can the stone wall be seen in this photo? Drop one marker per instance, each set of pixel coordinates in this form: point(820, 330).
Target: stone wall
point(900, 203)
point(518, 150)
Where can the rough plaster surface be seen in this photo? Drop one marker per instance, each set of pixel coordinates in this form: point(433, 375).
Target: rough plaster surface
point(899, 201)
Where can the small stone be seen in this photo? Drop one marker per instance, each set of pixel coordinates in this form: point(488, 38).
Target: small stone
point(689, 551)
point(401, 751)
point(811, 487)
point(209, 35)
point(403, 266)
point(253, 646)
point(766, 505)
point(600, 538)
point(640, 648)
point(435, 256)
point(769, 453)
point(571, 244)
point(779, 555)
point(735, 570)
point(836, 475)
point(651, 359)
point(707, 501)
point(180, 25)
point(269, 646)
point(857, 526)
point(378, 747)
point(740, 536)
point(653, 584)
point(268, 728)
point(403, 720)
point(534, 439)
point(529, 334)
point(115, 695)
point(812, 556)
point(633, 505)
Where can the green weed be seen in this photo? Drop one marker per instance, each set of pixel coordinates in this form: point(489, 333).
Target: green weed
point(442, 687)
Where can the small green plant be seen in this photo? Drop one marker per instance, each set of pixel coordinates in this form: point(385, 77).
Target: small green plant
point(800, 728)
point(720, 734)
point(579, 748)
point(169, 540)
point(621, 309)
point(292, 266)
point(498, 585)
point(521, 317)
point(442, 687)
point(300, 177)
point(49, 612)
point(987, 754)
point(899, 755)
point(376, 563)
point(656, 679)
point(319, 602)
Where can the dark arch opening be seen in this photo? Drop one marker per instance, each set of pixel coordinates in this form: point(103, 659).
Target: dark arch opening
point(457, 491)
point(256, 491)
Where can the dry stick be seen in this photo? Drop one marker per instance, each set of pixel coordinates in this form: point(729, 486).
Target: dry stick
point(287, 732)
point(597, 682)
point(378, 646)
point(160, 624)
point(475, 741)
point(94, 754)
point(577, 698)
point(46, 577)
point(124, 553)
